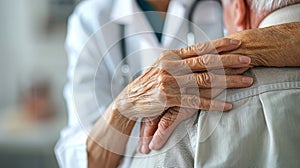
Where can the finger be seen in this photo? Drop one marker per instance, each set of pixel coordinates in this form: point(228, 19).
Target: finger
point(229, 71)
point(210, 93)
point(167, 124)
point(196, 102)
point(205, 93)
point(209, 47)
point(211, 61)
point(165, 127)
point(209, 80)
point(148, 128)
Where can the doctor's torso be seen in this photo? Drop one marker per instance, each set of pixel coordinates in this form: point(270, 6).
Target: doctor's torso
point(104, 19)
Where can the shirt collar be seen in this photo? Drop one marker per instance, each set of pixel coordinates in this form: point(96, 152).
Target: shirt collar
point(284, 15)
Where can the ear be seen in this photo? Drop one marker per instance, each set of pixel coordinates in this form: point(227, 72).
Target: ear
point(239, 12)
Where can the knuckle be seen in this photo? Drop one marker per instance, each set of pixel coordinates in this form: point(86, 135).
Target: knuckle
point(164, 81)
point(168, 54)
point(204, 104)
point(205, 79)
point(162, 88)
point(163, 124)
point(205, 60)
point(193, 101)
point(163, 64)
point(183, 51)
point(166, 121)
point(210, 60)
point(201, 48)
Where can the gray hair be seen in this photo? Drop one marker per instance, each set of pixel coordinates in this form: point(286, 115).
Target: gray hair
point(269, 5)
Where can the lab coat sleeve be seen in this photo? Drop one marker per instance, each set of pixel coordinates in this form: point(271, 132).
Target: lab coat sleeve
point(83, 104)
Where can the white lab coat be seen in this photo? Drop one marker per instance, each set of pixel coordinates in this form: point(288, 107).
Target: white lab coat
point(94, 54)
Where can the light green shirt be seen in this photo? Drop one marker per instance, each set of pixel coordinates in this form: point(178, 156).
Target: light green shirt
point(263, 129)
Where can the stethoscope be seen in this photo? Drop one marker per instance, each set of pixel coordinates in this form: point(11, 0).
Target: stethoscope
point(191, 35)
point(125, 68)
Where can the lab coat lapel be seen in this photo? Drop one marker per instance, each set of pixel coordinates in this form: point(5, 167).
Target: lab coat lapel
point(139, 33)
point(175, 21)
point(143, 40)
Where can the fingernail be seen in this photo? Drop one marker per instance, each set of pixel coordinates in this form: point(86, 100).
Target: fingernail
point(151, 145)
point(247, 80)
point(235, 42)
point(245, 60)
point(228, 106)
point(144, 149)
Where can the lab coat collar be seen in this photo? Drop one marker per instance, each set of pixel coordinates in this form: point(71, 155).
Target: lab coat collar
point(185, 3)
point(122, 8)
point(123, 11)
point(173, 22)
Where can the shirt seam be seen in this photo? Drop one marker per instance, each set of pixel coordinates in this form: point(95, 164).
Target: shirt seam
point(263, 89)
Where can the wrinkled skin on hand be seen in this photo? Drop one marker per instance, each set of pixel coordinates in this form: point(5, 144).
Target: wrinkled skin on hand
point(166, 84)
point(276, 46)
point(171, 87)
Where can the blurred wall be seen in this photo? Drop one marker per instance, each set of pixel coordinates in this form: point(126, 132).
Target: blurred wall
point(30, 45)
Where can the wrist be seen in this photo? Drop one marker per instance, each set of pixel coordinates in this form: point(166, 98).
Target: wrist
point(107, 141)
point(119, 122)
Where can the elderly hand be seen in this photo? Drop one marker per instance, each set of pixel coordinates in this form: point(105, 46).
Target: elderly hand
point(171, 83)
point(275, 46)
point(166, 84)
point(157, 128)
point(254, 45)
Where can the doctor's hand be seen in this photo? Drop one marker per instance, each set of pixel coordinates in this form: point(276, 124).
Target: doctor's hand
point(208, 72)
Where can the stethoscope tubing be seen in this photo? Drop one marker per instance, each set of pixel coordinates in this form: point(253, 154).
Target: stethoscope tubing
point(190, 39)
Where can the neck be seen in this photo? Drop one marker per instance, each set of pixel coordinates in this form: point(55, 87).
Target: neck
point(160, 5)
point(256, 18)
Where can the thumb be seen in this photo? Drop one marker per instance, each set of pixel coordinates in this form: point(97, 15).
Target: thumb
point(147, 129)
point(166, 126)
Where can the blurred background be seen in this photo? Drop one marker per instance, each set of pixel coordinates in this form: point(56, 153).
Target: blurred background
point(33, 66)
